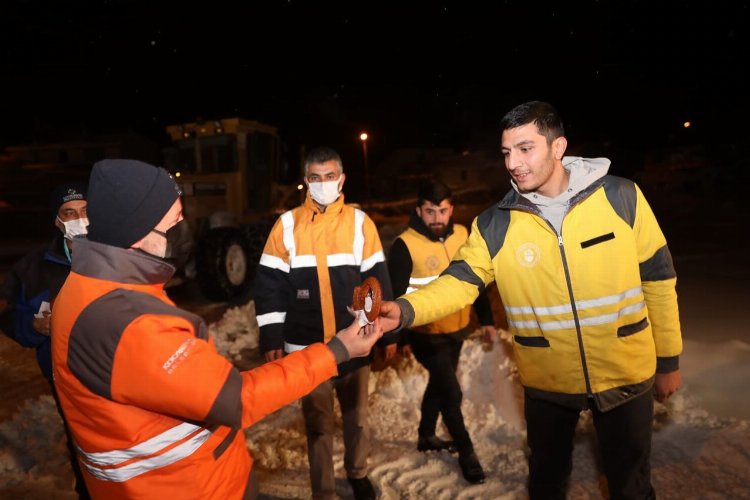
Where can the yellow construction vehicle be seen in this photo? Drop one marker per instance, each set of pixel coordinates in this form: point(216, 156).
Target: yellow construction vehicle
point(236, 176)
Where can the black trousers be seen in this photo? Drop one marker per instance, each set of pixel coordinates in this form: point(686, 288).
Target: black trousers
point(439, 355)
point(624, 439)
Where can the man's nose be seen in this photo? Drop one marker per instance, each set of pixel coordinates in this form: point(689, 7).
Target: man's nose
point(513, 160)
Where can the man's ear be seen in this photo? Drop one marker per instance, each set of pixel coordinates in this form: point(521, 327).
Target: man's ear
point(559, 146)
point(342, 180)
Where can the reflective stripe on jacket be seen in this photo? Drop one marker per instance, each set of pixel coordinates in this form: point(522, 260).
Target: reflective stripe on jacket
point(590, 310)
point(310, 265)
point(153, 408)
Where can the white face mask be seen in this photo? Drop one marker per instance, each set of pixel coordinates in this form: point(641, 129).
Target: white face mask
point(75, 227)
point(324, 193)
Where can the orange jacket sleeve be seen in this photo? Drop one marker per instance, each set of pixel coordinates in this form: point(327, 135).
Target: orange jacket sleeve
point(159, 365)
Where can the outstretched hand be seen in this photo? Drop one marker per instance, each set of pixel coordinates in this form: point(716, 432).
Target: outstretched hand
point(359, 341)
point(390, 315)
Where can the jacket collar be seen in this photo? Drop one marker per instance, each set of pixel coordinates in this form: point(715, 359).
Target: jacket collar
point(120, 265)
point(333, 209)
point(56, 251)
point(514, 201)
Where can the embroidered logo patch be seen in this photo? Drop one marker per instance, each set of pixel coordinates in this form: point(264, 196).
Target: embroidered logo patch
point(303, 294)
point(432, 263)
point(528, 254)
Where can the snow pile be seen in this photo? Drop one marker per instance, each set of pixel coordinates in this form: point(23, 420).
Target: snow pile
point(32, 443)
point(492, 406)
point(236, 331)
point(696, 454)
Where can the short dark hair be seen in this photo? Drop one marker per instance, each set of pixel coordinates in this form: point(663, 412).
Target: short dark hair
point(320, 155)
point(542, 114)
point(432, 191)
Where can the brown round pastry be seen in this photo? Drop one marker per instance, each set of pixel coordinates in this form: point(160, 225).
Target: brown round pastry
point(371, 287)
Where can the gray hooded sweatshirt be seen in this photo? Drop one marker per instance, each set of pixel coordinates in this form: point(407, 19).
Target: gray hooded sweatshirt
point(583, 171)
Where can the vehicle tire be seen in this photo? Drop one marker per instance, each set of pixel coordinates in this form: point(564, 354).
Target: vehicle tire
point(256, 235)
point(223, 264)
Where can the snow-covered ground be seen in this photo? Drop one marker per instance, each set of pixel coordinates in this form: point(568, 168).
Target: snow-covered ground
point(701, 438)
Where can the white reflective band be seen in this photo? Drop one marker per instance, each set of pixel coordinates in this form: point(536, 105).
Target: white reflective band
point(270, 318)
point(303, 261)
point(580, 305)
point(341, 259)
point(609, 300)
point(290, 348)
point(148, 448)
point(422, 281)
point(287, 222)
point(274, 262)
point(370, 261)
point(602, 319)
point(410, 289)
point(359, 236)
point(539, 311)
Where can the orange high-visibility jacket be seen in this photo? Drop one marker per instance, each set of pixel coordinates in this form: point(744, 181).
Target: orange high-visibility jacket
point(154, 410)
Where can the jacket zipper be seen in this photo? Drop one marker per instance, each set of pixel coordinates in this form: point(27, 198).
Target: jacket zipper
point(533, 210)
point(576, 200)
point(579, 334)
point(445, 247)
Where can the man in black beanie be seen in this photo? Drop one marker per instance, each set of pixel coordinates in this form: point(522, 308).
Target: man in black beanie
point(154, 409)
point(128, 199)
point(33, 283)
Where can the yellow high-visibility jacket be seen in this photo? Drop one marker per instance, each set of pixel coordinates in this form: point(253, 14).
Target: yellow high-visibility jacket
point(429, 259)
point(591, 310)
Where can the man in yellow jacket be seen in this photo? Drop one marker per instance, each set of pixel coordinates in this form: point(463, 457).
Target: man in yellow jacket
point(588, 286)
point(154, 409)
point(418, 256)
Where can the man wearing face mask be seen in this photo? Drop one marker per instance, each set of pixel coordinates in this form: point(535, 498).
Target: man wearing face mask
point(315, 256)
point(33, 283)
point(154, 409)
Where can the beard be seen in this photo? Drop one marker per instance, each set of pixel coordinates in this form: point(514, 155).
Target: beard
point(438, 230)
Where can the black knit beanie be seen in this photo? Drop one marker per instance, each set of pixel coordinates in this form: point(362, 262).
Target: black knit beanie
point(126, 200)
point(68, 191)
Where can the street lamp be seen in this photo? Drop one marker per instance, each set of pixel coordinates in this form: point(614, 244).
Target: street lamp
point(363, 137)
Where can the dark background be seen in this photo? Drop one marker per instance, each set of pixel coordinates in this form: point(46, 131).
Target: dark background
point(625, 74)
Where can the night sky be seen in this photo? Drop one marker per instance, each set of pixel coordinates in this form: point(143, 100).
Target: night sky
point(438, 74)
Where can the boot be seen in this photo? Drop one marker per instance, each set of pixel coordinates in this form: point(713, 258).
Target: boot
point(362, 488)
point(471, 468)
point(434, 443)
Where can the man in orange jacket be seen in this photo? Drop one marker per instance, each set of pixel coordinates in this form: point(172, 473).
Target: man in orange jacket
point(154, 410)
